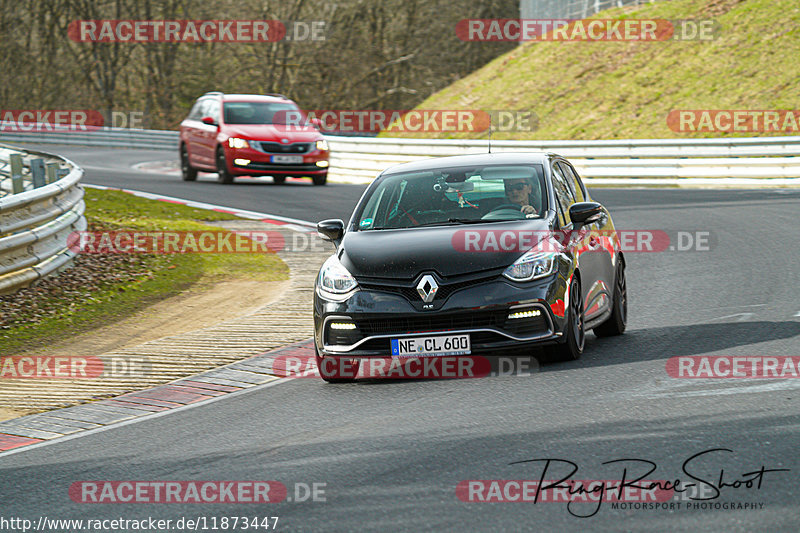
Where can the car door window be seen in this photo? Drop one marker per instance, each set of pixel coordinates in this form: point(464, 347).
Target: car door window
point(563, 191)
point(212, 110)
point(196, 112)
point(204, 104)
point(574, 180)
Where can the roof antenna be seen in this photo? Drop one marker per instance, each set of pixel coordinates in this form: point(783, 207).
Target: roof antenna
point(490, 133)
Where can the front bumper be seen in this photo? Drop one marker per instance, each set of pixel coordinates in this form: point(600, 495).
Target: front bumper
point(480, 310)
point(260, 163)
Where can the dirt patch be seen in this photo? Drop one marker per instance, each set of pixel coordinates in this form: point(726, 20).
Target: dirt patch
point(194, 309)
point(198, 308)
point(716, 8)
point(8, 414)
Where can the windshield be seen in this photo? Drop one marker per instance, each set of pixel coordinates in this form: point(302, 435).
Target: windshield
point(256, 112)
point(490, 193)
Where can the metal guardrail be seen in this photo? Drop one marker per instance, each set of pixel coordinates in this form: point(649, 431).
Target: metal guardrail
point(571, 9)
point(41, 204)
point(751, 158)
point(107, 137)
point(360, 159)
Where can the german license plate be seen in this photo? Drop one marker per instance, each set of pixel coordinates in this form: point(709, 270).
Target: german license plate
point(287, 158)
point(439, 345)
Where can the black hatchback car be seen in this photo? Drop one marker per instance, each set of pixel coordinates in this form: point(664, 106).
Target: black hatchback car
point(476, 254)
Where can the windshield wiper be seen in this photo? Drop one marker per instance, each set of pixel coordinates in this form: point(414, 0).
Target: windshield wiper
point(455, 221)
point(449, 222)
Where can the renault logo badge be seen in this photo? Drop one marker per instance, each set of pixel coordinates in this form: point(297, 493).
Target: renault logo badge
point(427, 288)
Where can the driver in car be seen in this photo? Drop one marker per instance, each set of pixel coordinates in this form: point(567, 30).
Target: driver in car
point(518, 192)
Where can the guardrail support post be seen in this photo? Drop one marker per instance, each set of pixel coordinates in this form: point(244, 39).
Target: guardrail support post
point(37, 171)
point(52, 172)
point(15, 161)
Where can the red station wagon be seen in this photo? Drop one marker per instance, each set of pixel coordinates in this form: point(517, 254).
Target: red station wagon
point(247, 135)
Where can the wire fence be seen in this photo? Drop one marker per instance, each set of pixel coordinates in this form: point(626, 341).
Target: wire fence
point(571, 9)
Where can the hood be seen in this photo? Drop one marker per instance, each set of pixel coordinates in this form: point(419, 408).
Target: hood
point(404, 254)
point(273, 132)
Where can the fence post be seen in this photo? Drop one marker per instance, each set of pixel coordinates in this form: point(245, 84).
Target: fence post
point(37, 171)
point(15, 161)
point(52, 172)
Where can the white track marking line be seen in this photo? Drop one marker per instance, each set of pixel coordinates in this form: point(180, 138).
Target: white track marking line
point(723, 389)
point(742, 317)
point(159, 414)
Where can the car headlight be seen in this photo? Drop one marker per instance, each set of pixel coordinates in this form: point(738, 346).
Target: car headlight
point(532, 265)
point(334, 280)
point(236, 142)
point(322, 145)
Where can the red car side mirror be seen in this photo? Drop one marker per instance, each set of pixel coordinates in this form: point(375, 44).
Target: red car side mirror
point(208, 120)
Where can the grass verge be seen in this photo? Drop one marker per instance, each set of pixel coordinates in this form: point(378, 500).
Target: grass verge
point(102, 289)
point(621, 90)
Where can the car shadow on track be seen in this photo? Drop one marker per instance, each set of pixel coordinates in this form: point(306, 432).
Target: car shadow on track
point(671, 341)
point(634, 346)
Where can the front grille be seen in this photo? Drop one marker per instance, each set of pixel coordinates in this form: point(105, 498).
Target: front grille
point(426, 322)
point(278, 148)
point(409, 292)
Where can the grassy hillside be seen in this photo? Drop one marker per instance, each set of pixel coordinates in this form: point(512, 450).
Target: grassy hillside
point(607, 90)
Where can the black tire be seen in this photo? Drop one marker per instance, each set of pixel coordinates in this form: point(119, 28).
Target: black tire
point(320, 179)
point(279, 180)
point(188, 172)
point(616, 323)
point(574, 332)
point(223, 174)
point(334, 375)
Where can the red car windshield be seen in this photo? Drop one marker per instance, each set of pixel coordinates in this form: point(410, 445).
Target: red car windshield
point(257, 112)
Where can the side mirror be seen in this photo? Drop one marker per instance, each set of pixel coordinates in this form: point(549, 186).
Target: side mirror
point(331, 230)
point(317, 123)
point(208, 120)
point(583, 213)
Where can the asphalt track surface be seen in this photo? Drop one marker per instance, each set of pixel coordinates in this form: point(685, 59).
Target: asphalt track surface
point(391, 453)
